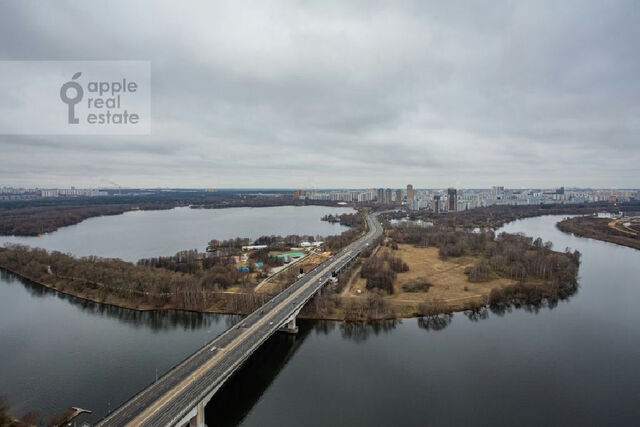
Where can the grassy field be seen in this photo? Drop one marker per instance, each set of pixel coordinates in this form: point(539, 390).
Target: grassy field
point(449, 283)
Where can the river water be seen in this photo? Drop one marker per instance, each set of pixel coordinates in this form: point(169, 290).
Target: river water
point(142, 234)
point(573, 364)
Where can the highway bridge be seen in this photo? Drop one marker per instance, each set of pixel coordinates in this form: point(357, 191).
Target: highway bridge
point(178, 398)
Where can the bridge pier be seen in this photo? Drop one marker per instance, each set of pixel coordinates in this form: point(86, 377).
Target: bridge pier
point(195, 417)
point(290, 326)
point(198, 419)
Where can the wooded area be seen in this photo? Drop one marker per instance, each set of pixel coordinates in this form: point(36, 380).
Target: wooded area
point(539, 271)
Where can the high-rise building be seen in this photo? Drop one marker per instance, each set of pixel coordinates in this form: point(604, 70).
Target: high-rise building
point(436, 204)
point(410, 194)
point(453, 199)
point(398, 196)
point(497, 191)
point(388, 196)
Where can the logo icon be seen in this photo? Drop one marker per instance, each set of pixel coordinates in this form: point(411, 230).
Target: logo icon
point(77, 92)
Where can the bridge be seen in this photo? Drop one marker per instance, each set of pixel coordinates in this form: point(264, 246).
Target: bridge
point(179, 397)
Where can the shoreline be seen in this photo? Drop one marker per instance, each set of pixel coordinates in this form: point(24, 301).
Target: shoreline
point(455, 308)
point(447, 309)
point(589, 227)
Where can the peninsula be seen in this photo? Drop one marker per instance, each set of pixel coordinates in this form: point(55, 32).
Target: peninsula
point(411, 270)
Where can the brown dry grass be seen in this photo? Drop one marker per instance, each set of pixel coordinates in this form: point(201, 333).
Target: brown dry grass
point(619, 226)
point(449, 283)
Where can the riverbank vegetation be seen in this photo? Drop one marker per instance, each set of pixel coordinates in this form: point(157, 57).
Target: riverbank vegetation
point(115, 281)
point(625, 232)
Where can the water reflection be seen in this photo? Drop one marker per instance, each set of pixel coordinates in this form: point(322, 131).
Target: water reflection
point(435, 323)
point(235, 399)
point(441, 321)
point(156, 320)
point(324, 327)
point(361, 331)
point(531, 307)
point(476, 314)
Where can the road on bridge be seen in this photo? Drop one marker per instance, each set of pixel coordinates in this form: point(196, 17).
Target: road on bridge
point(173, 396)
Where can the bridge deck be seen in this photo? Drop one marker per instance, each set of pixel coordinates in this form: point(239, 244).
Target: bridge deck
point(176, 393)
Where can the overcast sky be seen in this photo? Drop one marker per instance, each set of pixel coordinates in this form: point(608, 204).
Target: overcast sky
point(317, 94)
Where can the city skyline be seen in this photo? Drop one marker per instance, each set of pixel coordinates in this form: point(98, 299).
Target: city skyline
point(415, 199)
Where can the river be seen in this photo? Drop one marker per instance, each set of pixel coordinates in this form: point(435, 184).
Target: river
point(143, 234)
point(573, 364)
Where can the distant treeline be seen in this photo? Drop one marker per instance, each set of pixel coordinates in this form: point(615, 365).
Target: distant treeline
point(630, 207)
point(30, 218)
point(33, 221)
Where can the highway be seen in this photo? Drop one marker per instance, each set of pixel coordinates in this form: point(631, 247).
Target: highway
point(168, 400)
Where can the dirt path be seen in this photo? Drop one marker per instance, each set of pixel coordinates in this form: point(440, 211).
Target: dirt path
point(615, 224)
point(352, 279)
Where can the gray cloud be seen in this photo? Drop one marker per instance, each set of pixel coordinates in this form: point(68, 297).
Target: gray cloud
point(352, 94)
